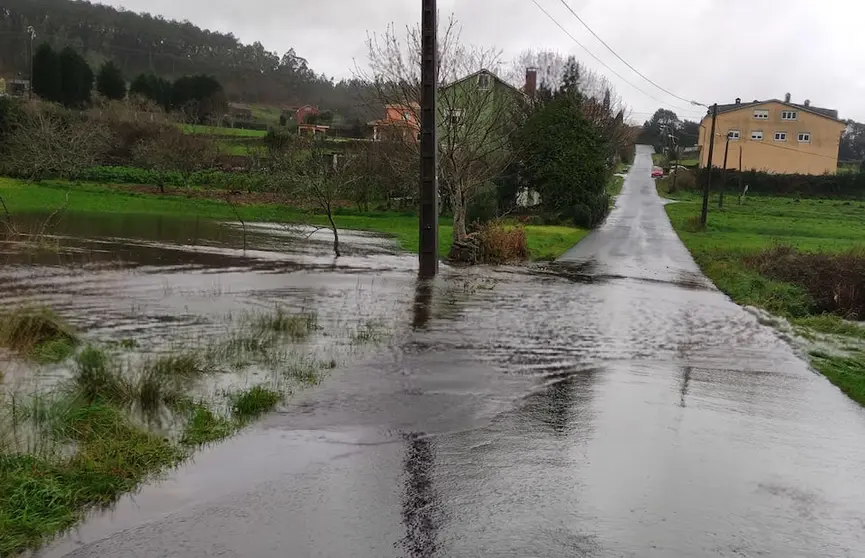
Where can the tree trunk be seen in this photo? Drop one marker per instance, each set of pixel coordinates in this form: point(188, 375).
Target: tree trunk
point(335, 234)
point(458, 206)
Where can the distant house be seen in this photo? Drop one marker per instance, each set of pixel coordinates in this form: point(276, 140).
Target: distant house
point(312, 130)
point(300, 114)
point(774, 136)
point(240, 111)
point(18, 87)
point(401, 122)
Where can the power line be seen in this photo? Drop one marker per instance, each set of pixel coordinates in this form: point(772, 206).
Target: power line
point(616, 54)
point(604, 64)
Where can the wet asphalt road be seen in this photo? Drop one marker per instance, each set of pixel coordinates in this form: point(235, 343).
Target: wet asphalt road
point(617, 405)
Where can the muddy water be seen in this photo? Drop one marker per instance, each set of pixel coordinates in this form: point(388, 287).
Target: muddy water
point(612, 405)
point(172, 284)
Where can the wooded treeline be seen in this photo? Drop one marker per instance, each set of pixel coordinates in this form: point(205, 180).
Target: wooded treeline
point(142, 43)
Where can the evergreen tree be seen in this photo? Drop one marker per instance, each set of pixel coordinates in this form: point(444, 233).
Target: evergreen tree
point(46, 74)
point(564, 157)
point(571, 78)
point(76, 79)
point(154, 88)
point(110, 82)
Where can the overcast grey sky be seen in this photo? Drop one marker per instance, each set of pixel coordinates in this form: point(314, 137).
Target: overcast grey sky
point(707, 50)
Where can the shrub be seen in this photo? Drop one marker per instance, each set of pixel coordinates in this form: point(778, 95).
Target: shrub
point(502, 244)
point(835, 281)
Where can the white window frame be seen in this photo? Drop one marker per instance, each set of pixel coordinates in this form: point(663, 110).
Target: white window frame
point(485, 81)
point(734, 135)
point(789, 115)
point(757, 135)
point(781, 134)
point(806, 135)
point(761, 114)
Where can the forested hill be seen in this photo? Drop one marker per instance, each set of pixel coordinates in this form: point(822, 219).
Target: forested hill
point(144, 43)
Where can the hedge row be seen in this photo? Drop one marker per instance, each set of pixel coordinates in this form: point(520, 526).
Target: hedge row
point(839, 186)
point(132, 175)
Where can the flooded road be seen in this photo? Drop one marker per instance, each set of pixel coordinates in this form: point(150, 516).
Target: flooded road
point(613, 405)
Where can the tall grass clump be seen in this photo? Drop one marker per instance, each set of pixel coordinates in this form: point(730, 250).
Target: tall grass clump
point(100, 379)
point(37, 333)
point(502, 244)
point(254, 402)
point(295, 326)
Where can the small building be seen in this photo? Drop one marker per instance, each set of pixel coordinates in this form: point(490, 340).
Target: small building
point(401, 122)
point(312, 130)
point(18, 87)
point(240, 111)
point(300, 114)
point(774, 136)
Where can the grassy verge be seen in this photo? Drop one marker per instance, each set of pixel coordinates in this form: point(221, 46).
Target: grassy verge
point(738, 232)
point(545, 242)
point(614, 186)
point(85, 444)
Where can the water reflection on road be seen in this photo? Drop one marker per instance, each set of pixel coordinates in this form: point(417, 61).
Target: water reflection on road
point(613, 405)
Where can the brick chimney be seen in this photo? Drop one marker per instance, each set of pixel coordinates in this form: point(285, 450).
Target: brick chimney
point(531, 87)
point(787, 98)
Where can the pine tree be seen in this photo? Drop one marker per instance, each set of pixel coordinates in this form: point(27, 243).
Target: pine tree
point(110, 82)
point(76, 79)
point(46, 74)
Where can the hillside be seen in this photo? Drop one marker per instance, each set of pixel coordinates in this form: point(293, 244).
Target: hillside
point(144, 43)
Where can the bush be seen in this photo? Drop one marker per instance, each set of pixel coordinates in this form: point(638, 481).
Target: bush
point(835, 281)
point(502, 244)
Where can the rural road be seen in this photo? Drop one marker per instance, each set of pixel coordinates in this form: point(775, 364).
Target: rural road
point(616, 406)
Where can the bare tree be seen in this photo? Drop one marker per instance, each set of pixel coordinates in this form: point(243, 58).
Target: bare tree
point(47, 141)
point(476, 112)
point(316, 177)
point(172, 150)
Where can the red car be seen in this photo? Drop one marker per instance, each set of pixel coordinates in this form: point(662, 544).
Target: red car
point(657, 172)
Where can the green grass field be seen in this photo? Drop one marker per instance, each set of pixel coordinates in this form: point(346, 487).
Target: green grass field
point(220, 131)
point(545, 242)
point(759, 223)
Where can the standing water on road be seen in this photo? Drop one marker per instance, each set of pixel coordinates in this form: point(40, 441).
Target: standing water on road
point(613, 404)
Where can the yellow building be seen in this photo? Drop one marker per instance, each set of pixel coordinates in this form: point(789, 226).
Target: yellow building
point(774, 136)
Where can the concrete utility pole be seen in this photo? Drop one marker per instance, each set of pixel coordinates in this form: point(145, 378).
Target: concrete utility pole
point(429, 214)
point(704, 216)
point(31, 31)
point(724, 172)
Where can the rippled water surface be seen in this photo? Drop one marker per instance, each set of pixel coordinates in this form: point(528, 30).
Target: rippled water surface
point(612, 404)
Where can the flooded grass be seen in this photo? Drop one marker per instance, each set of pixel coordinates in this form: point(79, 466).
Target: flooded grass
point(40, 497)
point(295, 326)
point(37, 333)
point(254, 402)
point(369, 332)
point(204, 426)
point(832, 325)
point(545, 242)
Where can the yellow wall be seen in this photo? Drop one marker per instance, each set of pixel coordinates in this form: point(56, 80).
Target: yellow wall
point(818, 157)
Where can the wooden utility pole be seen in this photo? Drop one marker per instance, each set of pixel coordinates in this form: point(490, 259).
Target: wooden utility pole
point(724, 173)
point(704, 216)
point(429, 215)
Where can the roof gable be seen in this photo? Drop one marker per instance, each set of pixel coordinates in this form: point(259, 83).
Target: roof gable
point(831, 114)
point(496, 78)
